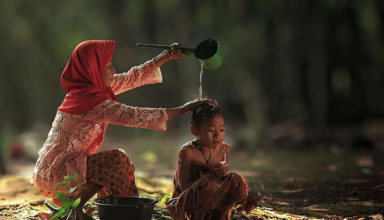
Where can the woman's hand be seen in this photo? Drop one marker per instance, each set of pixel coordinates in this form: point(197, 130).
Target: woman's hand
point(219, 170)
point(175, 52)
point(190, 106)
point(187, 107)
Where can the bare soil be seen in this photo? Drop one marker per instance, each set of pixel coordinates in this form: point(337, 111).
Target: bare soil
point(304, 184)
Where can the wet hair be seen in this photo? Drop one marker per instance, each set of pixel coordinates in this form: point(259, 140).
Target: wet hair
point(204, 112)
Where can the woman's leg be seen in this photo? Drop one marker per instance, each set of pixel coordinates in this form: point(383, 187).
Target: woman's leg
point(107, 171)
point(85, 195)
point(113, 170)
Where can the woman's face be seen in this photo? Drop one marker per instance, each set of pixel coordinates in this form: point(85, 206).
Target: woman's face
point(109, 70)
point(211, 133)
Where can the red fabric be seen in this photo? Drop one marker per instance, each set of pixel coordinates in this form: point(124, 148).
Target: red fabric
point(83, 76)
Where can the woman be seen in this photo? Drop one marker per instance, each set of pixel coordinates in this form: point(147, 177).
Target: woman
point(82, 119)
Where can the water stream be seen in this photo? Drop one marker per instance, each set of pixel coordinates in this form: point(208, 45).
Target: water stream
point(201, 79)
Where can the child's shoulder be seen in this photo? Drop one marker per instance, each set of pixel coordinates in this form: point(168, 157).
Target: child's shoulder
point(188, 146)
point(187, 149)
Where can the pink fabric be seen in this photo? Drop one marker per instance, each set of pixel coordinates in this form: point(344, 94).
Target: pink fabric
point(83, 76)
point(73, 137)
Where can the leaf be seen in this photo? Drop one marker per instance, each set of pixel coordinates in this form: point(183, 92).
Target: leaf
point(67, 205)
point(66, 189)
point(65, 182)
point(76, 203)
point(166, 198)
point(62, 197)
point(73, 176)
point(72, 190)
point(60, 214)
point(83, 187)
point(57, 184)
point(66, 177)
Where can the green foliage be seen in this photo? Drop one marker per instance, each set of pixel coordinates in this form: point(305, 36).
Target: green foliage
point(68, 204)
point(166, 197)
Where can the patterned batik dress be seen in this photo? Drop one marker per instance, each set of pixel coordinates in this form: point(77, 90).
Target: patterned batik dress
point(73, 140)
point(209, 194)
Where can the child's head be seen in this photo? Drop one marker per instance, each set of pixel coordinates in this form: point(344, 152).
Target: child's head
point(208, 125)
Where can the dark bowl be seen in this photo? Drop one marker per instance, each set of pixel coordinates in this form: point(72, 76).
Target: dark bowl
point(124, 208)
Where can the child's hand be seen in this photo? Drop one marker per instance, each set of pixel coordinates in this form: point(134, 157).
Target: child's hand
point(219, 170)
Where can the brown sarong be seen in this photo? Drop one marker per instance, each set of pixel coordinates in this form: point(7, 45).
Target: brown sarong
point(208, 195)
point(113, 170)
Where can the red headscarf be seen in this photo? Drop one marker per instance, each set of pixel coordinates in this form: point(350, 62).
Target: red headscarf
point(83, 76)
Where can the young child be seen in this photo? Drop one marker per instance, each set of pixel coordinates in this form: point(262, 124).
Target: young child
point(203, 189)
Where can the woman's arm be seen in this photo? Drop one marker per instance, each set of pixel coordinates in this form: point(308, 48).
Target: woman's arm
point(150, 118)
point(117, 113)
point(146, 73)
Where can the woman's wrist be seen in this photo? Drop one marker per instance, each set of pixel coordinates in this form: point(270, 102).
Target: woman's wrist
point(184, 108)
point(161, 59)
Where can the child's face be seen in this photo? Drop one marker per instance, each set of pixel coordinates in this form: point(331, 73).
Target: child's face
point(109, 70)
point(211, 133)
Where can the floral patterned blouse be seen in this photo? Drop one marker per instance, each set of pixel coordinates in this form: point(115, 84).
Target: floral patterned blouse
point(73, 137)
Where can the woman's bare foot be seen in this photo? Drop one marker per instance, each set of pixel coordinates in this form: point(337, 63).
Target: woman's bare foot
point(80, 214)
point(57, 202)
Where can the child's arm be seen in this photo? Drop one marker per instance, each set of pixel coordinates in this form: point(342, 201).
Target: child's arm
point(227, 152)
point(184, 166)
point(220, 170)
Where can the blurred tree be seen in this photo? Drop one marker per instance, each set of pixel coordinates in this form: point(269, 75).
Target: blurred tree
point(319, 62)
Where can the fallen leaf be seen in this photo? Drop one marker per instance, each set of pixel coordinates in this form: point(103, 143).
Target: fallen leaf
point(364, 161)
point(332, 167)
point(287, 185)
point(292, 191)
point(379, 186)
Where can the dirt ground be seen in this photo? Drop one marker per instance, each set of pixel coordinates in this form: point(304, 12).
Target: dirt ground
point(304, 184)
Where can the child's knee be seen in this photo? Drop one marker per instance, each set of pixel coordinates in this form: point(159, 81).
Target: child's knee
point(236, 177)
point(119, 155)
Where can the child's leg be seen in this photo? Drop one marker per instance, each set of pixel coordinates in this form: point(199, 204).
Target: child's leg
point(198, 214)
point(222, 214)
